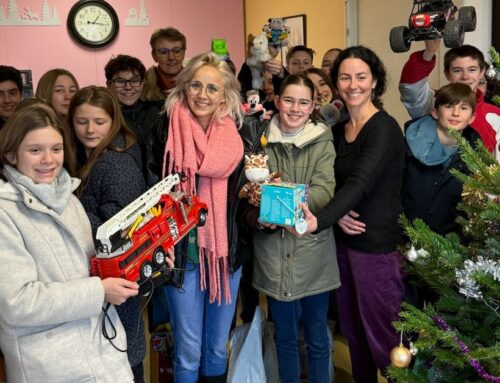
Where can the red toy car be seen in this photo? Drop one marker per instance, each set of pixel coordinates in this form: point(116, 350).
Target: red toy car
point(432, 19)
point(137, 251)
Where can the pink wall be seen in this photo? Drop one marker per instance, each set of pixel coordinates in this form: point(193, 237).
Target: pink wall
point(41, 48)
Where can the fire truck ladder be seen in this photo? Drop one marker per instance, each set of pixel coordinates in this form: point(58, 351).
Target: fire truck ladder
point(128, 215)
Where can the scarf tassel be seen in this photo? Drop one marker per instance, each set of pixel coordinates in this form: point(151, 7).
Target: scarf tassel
point(218, 276)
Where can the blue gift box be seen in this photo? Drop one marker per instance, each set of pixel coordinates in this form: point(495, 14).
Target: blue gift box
point(280, 203)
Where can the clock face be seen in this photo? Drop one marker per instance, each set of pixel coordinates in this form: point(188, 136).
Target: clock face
point(93, 23)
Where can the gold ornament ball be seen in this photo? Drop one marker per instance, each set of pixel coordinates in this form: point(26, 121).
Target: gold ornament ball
point(400, 356)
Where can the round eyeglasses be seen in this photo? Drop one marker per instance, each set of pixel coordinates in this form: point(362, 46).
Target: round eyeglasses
point(302, 104)
point(211, 90)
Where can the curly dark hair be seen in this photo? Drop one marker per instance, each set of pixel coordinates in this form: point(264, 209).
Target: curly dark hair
point(374, 63)
point(123, 63)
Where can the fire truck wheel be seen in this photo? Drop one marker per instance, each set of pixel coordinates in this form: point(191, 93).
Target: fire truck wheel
point(159, 257)
point(146, 270)
point(202, 217)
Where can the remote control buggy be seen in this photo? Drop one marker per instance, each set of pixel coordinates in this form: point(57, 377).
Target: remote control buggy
point(432, 19)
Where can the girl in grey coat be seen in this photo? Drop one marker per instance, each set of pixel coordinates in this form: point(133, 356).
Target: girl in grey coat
point(52, 311)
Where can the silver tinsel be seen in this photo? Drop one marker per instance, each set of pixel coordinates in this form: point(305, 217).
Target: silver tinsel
point(467, 285)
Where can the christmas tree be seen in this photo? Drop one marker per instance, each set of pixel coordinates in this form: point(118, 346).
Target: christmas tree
point(456, 338)
point(493, 72)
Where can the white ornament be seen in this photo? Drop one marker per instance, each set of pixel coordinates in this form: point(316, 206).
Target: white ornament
point(411, 254)
point(413, 349)
point(422, 253)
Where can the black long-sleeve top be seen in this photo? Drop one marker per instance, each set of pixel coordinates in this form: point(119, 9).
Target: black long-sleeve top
point(369, 173)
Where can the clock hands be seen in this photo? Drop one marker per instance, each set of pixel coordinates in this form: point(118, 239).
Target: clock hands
point(95, 21)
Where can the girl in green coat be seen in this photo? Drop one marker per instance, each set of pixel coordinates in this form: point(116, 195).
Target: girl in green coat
point(296, 274)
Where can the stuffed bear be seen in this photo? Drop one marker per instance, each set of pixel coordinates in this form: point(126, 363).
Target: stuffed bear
point(257, 173)
point(259, 54)
point(331, 112)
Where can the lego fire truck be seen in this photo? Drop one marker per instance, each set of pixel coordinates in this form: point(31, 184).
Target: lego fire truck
point(133, 243)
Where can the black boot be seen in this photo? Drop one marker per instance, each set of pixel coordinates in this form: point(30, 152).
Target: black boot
point(213, 379)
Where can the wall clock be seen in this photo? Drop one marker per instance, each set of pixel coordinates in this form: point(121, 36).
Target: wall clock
point(93, 23)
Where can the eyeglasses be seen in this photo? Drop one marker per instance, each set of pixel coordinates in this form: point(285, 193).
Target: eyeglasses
point(175, 51)
point(121, 82)
point(302, 104)
point(211, 90)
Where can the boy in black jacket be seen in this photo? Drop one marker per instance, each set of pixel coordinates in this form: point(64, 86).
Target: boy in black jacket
point(430, 192)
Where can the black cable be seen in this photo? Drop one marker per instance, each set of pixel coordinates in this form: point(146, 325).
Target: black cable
point(105, 331)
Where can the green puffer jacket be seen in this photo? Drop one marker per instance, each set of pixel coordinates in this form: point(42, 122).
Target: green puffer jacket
point(286, 267)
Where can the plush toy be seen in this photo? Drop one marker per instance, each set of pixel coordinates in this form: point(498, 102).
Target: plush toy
point(331, 112)
point(253, 104)
point(277, 32)
point(259, 54)
point(257, 173)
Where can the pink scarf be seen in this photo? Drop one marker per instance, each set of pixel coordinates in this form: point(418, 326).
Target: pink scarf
point(213, 156)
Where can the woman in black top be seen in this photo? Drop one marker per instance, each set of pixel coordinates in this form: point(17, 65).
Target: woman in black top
point(369, 170)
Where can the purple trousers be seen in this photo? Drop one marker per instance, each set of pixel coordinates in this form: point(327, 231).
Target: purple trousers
point(368, 301)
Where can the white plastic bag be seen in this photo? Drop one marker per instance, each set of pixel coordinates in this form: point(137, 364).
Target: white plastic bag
point(246, 364)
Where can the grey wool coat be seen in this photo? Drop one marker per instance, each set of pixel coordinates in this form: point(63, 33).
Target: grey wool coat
point(51, 310)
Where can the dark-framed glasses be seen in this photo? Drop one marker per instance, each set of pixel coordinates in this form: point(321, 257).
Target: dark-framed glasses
point(121, 82)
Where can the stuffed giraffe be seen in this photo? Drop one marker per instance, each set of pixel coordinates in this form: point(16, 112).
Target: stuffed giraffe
point(257, 173)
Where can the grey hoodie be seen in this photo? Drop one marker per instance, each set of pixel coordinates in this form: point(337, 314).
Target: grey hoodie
point(51, 310)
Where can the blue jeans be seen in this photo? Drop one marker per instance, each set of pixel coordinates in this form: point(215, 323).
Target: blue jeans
point(201, 329)
point(287, 317)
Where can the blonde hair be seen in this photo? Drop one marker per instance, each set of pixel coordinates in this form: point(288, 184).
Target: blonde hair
point(232, 98)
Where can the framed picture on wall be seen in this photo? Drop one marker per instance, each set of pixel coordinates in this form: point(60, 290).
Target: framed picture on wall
point(297, 35)
point(27, 83)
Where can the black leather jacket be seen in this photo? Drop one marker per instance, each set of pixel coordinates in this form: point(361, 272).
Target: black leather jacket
point(240, 242)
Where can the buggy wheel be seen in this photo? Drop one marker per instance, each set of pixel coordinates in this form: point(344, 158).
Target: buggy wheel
point(453, 34)
point(467, 16)
point(399, 38)
point(146, 270)
point(202, 217)
point(159, 257)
